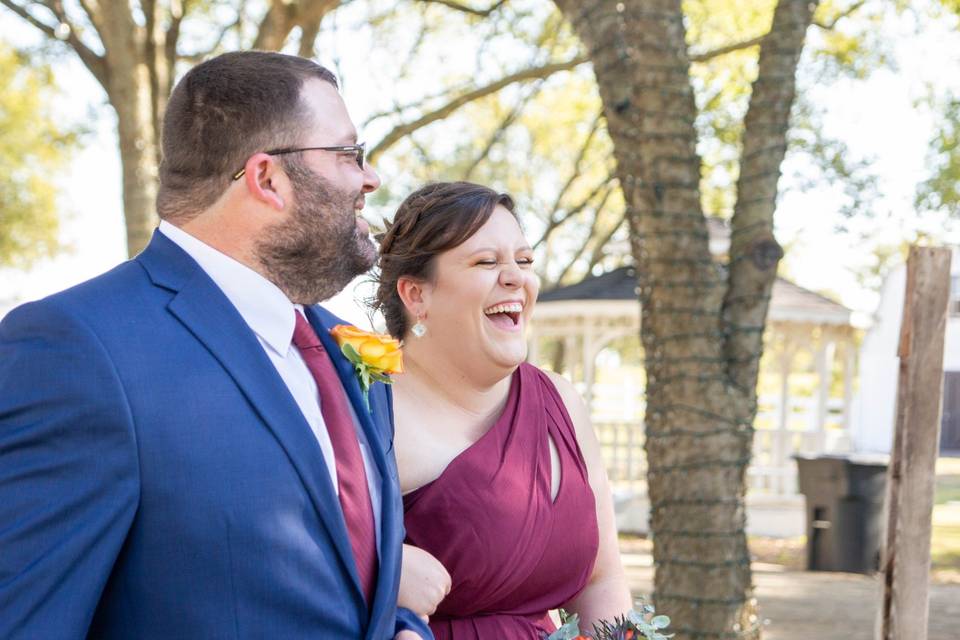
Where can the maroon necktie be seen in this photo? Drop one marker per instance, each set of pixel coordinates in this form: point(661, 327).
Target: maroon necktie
point(351, 476)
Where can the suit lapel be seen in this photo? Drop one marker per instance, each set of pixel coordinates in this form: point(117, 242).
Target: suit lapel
point(204, 309)
point(322, 322)
point(351, 384)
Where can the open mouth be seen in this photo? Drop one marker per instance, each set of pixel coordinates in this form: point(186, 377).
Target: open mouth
point(506, 315)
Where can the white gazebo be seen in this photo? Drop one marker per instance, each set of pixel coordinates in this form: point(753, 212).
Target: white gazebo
point(589, 331)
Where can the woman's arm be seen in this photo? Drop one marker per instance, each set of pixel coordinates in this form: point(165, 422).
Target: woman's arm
point(607, 594)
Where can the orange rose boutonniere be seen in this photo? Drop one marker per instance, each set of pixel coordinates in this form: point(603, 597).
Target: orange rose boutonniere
point(375, 356)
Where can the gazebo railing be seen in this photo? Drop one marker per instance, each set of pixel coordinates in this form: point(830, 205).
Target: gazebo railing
point(773, 470)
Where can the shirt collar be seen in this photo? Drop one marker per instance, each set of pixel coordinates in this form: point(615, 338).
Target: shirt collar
point(263, 306)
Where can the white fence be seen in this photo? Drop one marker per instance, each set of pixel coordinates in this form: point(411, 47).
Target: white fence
point(772, 471)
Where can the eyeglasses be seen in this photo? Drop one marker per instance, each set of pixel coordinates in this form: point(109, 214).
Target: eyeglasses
point(357, 149)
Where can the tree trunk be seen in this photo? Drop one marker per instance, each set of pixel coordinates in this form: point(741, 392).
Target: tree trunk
point(130, 89)
point(138, 159)
point(702, 333)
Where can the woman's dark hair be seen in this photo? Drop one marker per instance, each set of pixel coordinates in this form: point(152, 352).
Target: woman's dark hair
point(433, 219)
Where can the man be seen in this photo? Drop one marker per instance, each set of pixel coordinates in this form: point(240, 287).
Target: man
point(184, 452)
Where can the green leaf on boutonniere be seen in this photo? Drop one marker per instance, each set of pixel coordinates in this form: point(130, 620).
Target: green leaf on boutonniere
point(351, 354)
point(381, 377)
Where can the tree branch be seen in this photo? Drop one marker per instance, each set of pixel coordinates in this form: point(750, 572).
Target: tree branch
point(574, 174)
point(724, 50)
point(534, 73)
point(91, 60)
point(308, 38)
point(282, 16)
point(178, 9)
point(92, 9)
point(498, 132)
point(593, 230)
point(200, 56)
point(49, 31)
point(482, 13)
point(399, 110)
point(827, 26)
point(598, 252)
point(554, 223)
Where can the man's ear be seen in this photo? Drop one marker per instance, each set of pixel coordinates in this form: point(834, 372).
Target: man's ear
point(262, 177)
point(415, 295)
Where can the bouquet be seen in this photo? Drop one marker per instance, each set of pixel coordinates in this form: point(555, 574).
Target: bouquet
point(644, 624)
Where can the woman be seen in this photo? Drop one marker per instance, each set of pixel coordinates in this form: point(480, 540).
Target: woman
point(500, 468)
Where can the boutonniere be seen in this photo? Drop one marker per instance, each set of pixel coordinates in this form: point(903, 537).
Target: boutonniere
point(374, 356)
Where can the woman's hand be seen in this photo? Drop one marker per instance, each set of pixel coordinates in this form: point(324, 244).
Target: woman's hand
point(424, 582)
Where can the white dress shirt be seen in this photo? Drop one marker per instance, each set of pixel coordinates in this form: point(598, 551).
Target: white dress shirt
point(270, 315)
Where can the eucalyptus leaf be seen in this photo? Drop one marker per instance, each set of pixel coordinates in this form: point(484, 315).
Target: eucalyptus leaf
point(569, 631)
point(660, 622)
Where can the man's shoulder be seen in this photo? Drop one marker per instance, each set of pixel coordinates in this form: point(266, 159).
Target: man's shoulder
point(99, 296)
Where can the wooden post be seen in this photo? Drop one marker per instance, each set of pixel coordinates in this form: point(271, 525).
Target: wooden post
point(910, 480)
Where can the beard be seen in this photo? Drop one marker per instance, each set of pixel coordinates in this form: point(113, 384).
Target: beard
point(319, 250)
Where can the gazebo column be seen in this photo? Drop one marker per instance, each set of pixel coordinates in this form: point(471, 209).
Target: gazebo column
point(849, 368)
point(589, 359)
point(533, 347)
point(825, 352)
point(569, 349)
point(781, 448)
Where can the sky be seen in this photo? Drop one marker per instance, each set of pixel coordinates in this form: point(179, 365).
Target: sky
point(878, 118)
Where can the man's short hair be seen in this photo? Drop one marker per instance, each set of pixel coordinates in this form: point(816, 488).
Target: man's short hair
point(222, 112)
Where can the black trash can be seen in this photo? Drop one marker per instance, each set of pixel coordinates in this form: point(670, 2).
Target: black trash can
point(844, 496)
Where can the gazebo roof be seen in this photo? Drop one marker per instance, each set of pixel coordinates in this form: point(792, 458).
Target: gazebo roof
point(619, 284)
point(789, 302)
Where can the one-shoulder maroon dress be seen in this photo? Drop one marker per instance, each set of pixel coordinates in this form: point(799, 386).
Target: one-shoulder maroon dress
point(513, 553)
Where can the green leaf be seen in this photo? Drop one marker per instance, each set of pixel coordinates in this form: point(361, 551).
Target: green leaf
point(351, 354)
point(660, 622)
point(381, 377)
point(569, 630)
point(35, 146)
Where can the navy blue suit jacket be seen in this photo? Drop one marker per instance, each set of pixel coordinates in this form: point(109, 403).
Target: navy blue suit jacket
point(157, 479)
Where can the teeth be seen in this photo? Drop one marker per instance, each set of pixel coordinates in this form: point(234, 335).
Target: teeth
point(510, 307)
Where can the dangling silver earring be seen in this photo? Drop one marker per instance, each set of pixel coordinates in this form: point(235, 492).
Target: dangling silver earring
point(419, 329)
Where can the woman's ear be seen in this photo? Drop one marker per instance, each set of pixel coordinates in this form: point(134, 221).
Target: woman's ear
point(415, 296)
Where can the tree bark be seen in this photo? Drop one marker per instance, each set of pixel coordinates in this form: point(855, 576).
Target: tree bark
point(283, 16)
point(754, 251)
point(701, 332)
point(133, 97)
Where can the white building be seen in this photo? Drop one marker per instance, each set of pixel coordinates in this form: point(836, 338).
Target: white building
point(875, 403)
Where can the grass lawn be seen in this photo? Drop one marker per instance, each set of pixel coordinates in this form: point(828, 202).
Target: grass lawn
point(945, 543)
